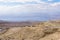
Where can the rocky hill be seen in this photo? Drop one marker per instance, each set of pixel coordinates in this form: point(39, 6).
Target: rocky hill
point(47, 30)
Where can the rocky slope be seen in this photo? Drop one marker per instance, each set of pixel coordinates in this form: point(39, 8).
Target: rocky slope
point(49, 30)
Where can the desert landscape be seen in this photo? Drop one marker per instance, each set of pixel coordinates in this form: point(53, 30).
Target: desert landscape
point(29, 19)
point(46, 30)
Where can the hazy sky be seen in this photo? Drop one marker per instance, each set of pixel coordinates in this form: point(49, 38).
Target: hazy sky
point(20, 10)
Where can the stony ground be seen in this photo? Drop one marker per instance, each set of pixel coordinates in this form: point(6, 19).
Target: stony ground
point(42, 31)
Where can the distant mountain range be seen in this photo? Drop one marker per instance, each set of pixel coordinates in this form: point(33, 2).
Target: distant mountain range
point(17, 24)
point(24, 23)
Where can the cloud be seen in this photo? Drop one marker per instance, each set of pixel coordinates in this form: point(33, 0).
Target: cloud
point(28, 9)
point(50, 0)
point(19, 0)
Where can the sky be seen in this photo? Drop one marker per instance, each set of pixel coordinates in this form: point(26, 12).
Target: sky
point(23, 10)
